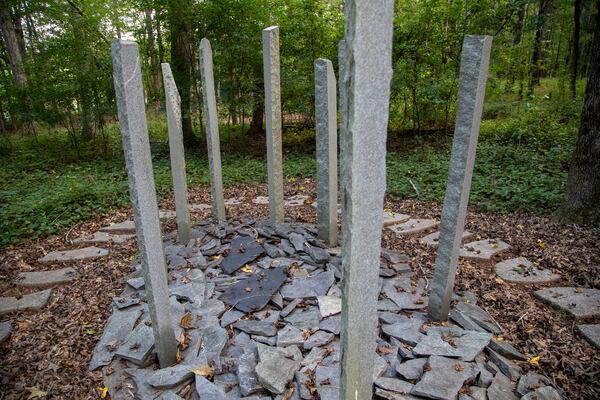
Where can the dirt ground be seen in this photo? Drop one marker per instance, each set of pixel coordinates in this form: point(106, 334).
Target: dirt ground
point(49, 350)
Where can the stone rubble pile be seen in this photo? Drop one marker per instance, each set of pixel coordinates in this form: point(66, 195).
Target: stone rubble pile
point(257, 314)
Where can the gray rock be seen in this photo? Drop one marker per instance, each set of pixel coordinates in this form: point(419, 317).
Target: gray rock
point(213, 341)
point(407, 330)
point(394, 257)
point(444, 379)
point(591, 332)
point(208, 390)
point(286, 247)
point(413, 226)
point(477, 393)
point(125, 227)
point(297, 241)
point(452, 342)
point(277, 300)
point(277, 366)
point(85, 253)
point(245, 370)
point(268, 340)
point(319, 255)
point(168, 396)
point(402, 292)
point(231, 316)
point(33, 301)
point(244, 249)
point(543, 393)
point(508, 368)
point(138, 345)
point(394, 385)
point(167, 378)
point(390, 395)
point(506, 349)
point(479, 315)
point(501, 389)
point(315, 356)
point(327, 380)
point(485, 378)
point(290, 335)
point(483, 250)
point(254, 293)
point(465, 321)
point(104, 237)
point(44, 279)
point(226, 381)
point(317, 339)
point(578, 302)
point(254, 327)
point(140, 378)
point(136, 283)
point(5, 330)
point(125, 301)
point(412, 369)
point(305, 319)
point(331, 324)
point(273, 251)
point(531, 381)
point(329, 305)
point(289, 308)
point(313, 286)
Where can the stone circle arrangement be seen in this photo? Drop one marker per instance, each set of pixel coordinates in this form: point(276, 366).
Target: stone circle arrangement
point(273, 309)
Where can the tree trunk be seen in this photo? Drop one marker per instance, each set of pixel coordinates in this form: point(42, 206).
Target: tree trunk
point(536, 55)
point(154, 67)
point(575, 58)
point(582, 203)
point(518, 34)
point(159, 38)
point(180, 23)
point(9, 36)
point(258, 113)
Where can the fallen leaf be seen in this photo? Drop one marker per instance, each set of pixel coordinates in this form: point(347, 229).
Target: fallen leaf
point(186, 321)
point(103, 391)
point(535, 361)
point(246, 268)
point(36, 393)
point(499, 281)
point(204, 370)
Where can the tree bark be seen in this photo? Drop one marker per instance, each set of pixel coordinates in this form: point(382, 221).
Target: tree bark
point(154, 67)
point(258, 113)
point(582, 202)
point(575, 58)
point(518, 34)
point(181, 62)
point(9, 36)
point(536, 55)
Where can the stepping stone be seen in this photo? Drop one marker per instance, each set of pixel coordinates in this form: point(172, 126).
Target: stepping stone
point(261, 200)
point(392, 218)
point(521, 270)
point(125, 227)
point(578, 302)
point(244, 249)
point(444, 378)
point(167, 214)
point(44, 279)
point(591, 332)
point(33, 301)
point(483, 250)
point(254, 293)
point(103, 237)
point(295, 201)
point(199, 207)
point(5, 330)
point(452, 342)
point(277, 366)
point(413, 226)
point(234, 201)
point(433, 238)
point(74, 255)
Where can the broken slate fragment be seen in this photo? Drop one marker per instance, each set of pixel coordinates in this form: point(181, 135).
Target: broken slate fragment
point(125, 301)
point(317, 339)
point(404, 293)
point(5, 330)
point(297, 241)
point(543, 393)
point(329, 305)
point(394, 257)
point(578, 302)
point(407, 330)
point(290, 335)
point(479, 315)
point(245, 370)
point(244, 249)
point(507, 367)
point(138, 345)
point(254, 293)
point(254, 327)
point(166, 378)
point(273, 251)
point(394, 385)
point(501, 388)
point(136, 283)
point(531, 381)
point(591, 332)
point(207, 390)
point(331, 324)
point(412, 369)
point(304, 319)
point(277, 366)
point(444, 378)
point(229, 317)
point(506, 349)
point(313, 286)
point(319, 255)
point(452, 342)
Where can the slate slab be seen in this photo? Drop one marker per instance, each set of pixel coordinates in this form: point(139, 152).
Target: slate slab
point(507, 367)
point(245, 370)
point(413, 226)
point(313, 286)
point(394, 385)
point(407, 330)
point(329, 305)
point(104, 237)
point(32, 301)
point(392, 218)
point(277, 366)
point(411, 369)
point(208, 390)
point(229, 317)
point(5, 330)
point(254, 293)
point(44, 279)
point(591, 332)
point(305, 319)
point(166, 378)
point(255, 327)
point(140, 378)
point(244, 249)
point(479, 315)
point(405, 292)
point(394, 257)
point(317, 339)
point(521, 270)
point(543, 393)
point(501, 388)
point(125, 227)
point(433, 239)
point(578, 302)
point(85, 253)
point(119, 326)
point(483, 250)
point(138, 345)
point(331, 324)
point(506, 349)
point(452, 342)
point(290, 335)
point(531, 381)
point(444, 378)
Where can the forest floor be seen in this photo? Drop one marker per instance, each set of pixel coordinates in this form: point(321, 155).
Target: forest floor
point(48, 353)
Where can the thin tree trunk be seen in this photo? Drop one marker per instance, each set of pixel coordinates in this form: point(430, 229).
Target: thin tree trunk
point(536, 55)
point(159, 37)
point(154, 67)
point(582, 203)
point(575, 58)
point(9, 36)
point(258, 113)
point(518, 34)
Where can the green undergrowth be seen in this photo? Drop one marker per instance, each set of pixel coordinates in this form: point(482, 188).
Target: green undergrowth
point(47, 183)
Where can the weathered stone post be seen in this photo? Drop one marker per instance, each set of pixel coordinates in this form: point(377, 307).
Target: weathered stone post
point(326, 119)
point(136, 146)
point(273, 117)
point(212, 129)
point(343, 109)
point(368, 62)
point(173, 103)
point(473, 76)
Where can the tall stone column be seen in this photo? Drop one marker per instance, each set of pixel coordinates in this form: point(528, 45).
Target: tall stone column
point(273, 117)
point(176, 151)
point(474, 64)
point(368, 62)
point(212, 129)
point(136, 146)
point(326, 135)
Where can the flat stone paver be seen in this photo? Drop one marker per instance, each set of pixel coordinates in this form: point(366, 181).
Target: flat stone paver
point(413, 226)
point(392, 218)
point(199, 207)
point(85, 253)
point(261, 200)
point(295, 201)
point(234, 201)
point(433, 238)
point(33, 301)
point(591, 332)
point(521, 270)
point(120, 228)
point(5, 330)
point(44, 279)
point(578, 302)
point(104, 237)
point(167, 214)
point(483, 250)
